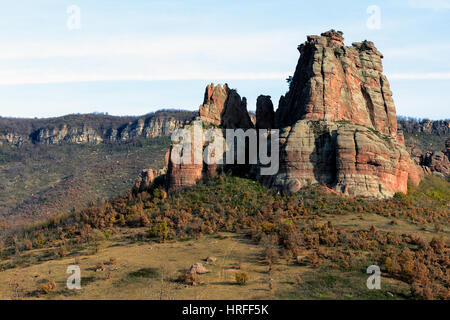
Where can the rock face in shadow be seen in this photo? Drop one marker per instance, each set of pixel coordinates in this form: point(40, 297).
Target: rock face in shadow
point(438, 162)
point(145, 180)
point(338, 124)
point(265, 116)
point(224, 107)
point(432, 162)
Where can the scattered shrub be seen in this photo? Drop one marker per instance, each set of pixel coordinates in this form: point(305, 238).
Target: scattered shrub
point(188, 277)
point(47, 286)
point(241, 277)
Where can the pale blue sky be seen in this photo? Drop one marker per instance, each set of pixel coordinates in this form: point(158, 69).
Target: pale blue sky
point(136, 56)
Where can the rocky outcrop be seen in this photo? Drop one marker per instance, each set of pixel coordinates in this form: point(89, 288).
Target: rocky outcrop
point(184, 174)
point(349, 158)
point(265, 116)
point(67, 134)
point(214, 103)
point(224, 107)
point(90, 129)
point(189, 172)
point(428, 144)
point(221, 107)
point(148, 128)
point(437, 128)
point(333, 82)
point(145, 180)
point(149, 179)
point(338, 123)
point(437, 162)
point(11, 139)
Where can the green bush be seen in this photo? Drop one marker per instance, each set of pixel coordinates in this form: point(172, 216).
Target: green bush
point(160, 230)
point(241, 277)
point(400, 196)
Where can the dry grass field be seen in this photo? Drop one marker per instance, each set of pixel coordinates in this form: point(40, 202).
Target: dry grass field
point(123, 268)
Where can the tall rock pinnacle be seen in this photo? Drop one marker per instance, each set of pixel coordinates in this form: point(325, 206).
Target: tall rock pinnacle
point(336, 82)
point(224, 107)
point(338, 123)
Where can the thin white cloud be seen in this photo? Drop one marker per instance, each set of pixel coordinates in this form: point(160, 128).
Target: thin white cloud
point(420, 76)
point(229, 57)
point(90, 77)
point(231, 45)
point(235, 57)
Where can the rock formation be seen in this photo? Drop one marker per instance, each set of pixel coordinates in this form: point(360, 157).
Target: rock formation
point(437, 128)
point(265, 116)
point(437, 162)
point(334, 82)
point(224, 107)
point(428, 144)
point(90, 129)
point(64, 133)
point(149, 128)
point(145, 181)
point(184, 174)
point(338, 123)
point(350, 158)
point(11, 139)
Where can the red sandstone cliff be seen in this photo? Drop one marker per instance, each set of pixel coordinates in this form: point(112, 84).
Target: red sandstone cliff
point(338, 123)
point(222, 107)
point(335, 82)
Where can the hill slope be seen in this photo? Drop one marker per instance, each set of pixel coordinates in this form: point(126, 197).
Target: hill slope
point(37, 182)
point(313, 244)
point(49, 166)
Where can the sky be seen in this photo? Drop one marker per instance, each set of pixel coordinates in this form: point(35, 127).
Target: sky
point(132, 57)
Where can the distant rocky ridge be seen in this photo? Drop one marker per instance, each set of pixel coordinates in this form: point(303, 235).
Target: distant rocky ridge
point(90, 129)
point(432, 127)
point(428, 142)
